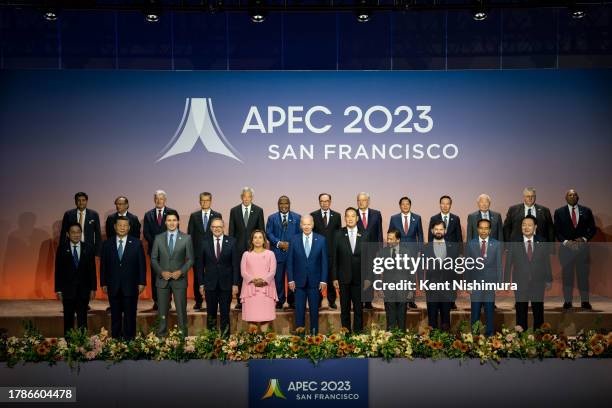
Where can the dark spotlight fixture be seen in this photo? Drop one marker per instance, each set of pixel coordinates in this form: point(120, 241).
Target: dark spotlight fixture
point(362, 11)
point(479, 12)
point(577, 12)
point(152, 11)
point(50, 14)
point(257, 11)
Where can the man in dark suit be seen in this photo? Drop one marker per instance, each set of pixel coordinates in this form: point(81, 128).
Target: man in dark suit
point(244, 219)
point(516, 213)
point(219, 275)
point(453, 229)
point(490, 250)
point(307, 272)
point(370, 221)
point(280, 228)
point(121, 205)
point(123, 277)
point(410, 227)
point(199, 230)
point(350, 244)
point(485, 213)
point(88, 219)
point(574, 227)
point(75, 277)
point(327, 222)
point(528, 265)
point(155, 223)
point(454, 232)
point(439, 300)
point(395, 300)
point(171, 259)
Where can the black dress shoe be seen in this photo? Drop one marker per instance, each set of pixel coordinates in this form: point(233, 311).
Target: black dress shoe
point(412, 305)
point(586, 306)
point(238, 306)
point(291, 306)
point(197, 306)
point(108, 309)
point(567, 305)
point(494, 306)
point(368, 305)
point(333, 306)
point(279, 306)
point(88, 308)
point(453, 306)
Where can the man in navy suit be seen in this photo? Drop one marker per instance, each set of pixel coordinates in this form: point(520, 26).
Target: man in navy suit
point(490, 250)
point(574, 227)
point(528, 265)
point(516, 213)
point(88, 219)
point(280, 228)
point(121, 205)
point(75, 277)
point(123, 277)
point(370, 221)
point(410, 227)
point(219, 275)
point(307, 272)
point(485, 213)
point(154, 224)
point(199, 229)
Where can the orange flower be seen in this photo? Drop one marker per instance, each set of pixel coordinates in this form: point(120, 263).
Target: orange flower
point(464, 347)
point(343, 345)
point(294, 347)
point(318, 339)
point(43, 349)
point(295, 339)
point(333, 338)
point(270, 336)
point(457, 344)
point(53, 341)
point(598, 349)
point(218, 343)
point(546, 337)
point(299, 330)
point(429, 343)
point(351, 348)
point(310, 340)
point(609, 338)
point(260, 347)
point(344, 330)
point(252, 329)
point(560, 345)
point(496, 344)
point(438, 345)
point(545, 326)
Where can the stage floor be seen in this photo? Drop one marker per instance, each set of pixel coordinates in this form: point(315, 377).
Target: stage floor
point(47, 316)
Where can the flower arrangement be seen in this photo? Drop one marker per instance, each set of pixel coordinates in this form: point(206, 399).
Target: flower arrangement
point(80, 347)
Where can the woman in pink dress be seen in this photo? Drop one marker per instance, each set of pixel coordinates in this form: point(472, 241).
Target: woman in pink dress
point(258, 295)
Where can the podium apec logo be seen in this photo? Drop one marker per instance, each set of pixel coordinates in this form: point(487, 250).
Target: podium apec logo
point(273, 390)
point(199, 123)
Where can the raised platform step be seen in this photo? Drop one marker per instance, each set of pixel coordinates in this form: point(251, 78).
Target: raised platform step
point(46, 315)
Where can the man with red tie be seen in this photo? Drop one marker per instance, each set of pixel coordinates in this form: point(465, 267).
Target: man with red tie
point(574, 227)
point(528, 264)
point(370, 221)
point(154, 223)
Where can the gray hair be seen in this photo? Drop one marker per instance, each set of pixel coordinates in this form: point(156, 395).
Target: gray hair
point(247, 190)
point(160, 192)
point(364, 194)
point(307, 217)
point(529, 190)
point(485, 196)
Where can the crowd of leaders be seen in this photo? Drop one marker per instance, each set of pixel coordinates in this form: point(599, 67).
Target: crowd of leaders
point(313, 253)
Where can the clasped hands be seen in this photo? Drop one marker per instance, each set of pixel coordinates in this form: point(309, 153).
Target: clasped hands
point(259, 282)
point(171, 275)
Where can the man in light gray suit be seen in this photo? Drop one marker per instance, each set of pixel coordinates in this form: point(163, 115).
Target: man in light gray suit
point(171, 259)
point(497, 232)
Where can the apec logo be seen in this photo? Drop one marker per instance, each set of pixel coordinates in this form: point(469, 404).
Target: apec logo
point(329, 383)
point(199, 123)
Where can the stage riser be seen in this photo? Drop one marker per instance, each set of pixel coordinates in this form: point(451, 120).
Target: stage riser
point(568, 323)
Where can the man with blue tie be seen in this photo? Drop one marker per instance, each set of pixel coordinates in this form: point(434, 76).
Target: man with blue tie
point(307, 272)
point(75, 277)
point(411, 231)
point(123, 277)
point(171, 259)
point(199, 230)
point(490, 250)
point(280, 228)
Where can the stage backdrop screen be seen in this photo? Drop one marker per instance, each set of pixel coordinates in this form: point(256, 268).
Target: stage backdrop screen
point(391, 134)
